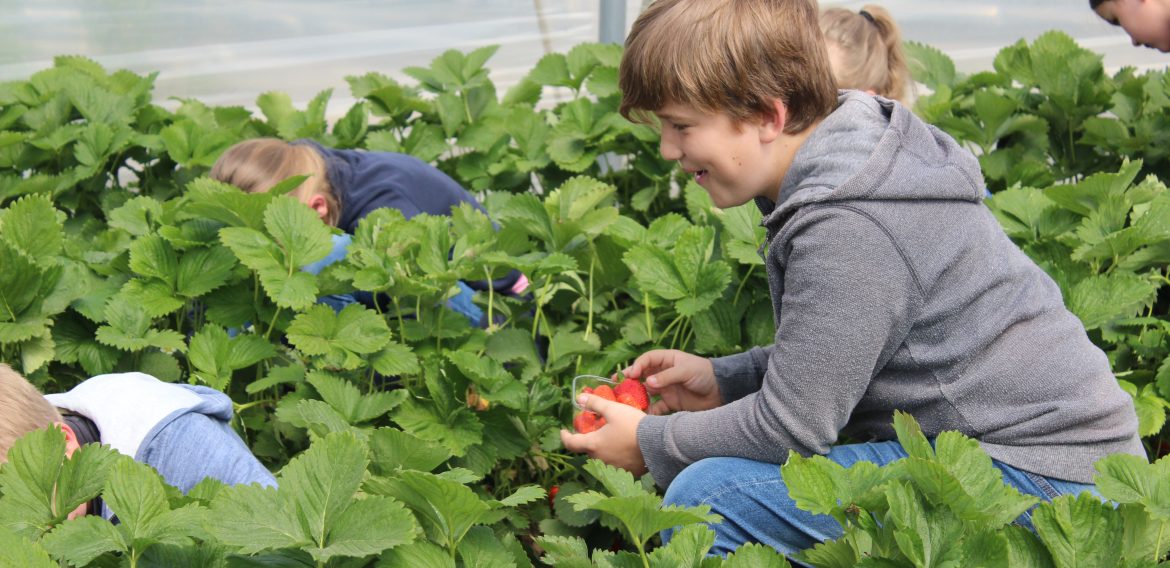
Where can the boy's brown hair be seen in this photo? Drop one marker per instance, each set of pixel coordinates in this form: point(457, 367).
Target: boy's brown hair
point(729, 56)
point(22, 409)
point(258, 164)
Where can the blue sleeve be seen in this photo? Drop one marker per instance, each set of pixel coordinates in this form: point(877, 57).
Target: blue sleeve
point(194, 446)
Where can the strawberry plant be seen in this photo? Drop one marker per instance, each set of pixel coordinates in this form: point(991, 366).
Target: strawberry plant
point(946, 504)
point(406, 436)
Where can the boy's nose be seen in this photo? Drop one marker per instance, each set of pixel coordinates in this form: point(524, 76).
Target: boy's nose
point(668, 149)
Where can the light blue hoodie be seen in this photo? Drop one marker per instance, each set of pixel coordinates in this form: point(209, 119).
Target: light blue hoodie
point(183, 431)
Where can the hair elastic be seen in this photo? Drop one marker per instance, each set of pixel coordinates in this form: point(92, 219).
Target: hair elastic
point(868, 16)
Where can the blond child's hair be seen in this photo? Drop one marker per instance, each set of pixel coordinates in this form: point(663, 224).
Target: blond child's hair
point(258, 164)
point(869, 48)
point(22, 409)
point(730, 56)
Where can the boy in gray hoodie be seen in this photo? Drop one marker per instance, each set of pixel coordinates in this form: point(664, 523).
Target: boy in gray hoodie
point(893, 288)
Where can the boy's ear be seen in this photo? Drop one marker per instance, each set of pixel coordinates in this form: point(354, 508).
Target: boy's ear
point(71, 443)
point(773, 122)
point(318, 203)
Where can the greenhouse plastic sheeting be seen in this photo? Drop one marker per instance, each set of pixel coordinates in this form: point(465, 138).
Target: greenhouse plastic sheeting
point(228, 52)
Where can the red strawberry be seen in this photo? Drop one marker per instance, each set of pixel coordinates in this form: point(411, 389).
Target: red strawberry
point(585, 422)
point(604, 391)
point(552, 494)
point(633, 393)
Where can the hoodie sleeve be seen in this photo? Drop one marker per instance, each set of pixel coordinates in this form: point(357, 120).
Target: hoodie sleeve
point(847, 299)
point(741, 374)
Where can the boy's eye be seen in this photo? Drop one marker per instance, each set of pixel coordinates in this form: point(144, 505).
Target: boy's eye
point(679, 127)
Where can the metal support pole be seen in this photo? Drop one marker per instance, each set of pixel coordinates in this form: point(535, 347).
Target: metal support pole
point(612, 26)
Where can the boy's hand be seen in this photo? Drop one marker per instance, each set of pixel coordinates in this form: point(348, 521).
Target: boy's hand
point(681, 380)
point(616, 443)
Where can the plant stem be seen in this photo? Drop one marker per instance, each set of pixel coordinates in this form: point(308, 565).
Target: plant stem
point(272, 324)
point(669, 328)
point(491, 294)
point(1161, 531)
point(641, 546)
point(398, 313)
point(242, 407)
point(649, 329)
point(589, 324)
point(746, 277)
point(689, 335)
point(540, 307)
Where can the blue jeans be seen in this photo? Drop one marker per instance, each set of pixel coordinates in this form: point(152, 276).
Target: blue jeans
point(755, 506)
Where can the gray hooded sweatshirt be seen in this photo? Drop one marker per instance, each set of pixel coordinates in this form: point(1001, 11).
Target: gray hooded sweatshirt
point(895, 288)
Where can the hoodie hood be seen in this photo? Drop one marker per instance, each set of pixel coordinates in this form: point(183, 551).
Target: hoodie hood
point(872, 148)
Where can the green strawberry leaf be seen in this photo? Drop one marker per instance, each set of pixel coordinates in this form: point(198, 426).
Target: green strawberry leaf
point(367, 526)
point(19, 283)
point(354, 406)
point(215, 356)
point(456, 430)
point(135, 493)
point(128, 329)
point(480, 548)
point(688, 546)
point(568, 551)
point(152, 256)
point(395, 359)
point(421, 554)
point(340, 338)
point(394, 449)
point(16, 550)
point(253, 519)
point(202, 270)
point(139, 216)
point(33, 226)
point(445, 508)
point(1079, 531)
point(752, 555)
point(81, 540)
point(41, 486)
point(526, 494)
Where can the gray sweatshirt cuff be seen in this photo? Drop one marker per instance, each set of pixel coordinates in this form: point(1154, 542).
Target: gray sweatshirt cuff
point(652, 441)
point(741, 374)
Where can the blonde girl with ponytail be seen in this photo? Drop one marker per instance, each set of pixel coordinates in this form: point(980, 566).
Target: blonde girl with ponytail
point(865, 51)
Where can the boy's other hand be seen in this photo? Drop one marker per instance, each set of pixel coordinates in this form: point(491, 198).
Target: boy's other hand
point(616, 443)
point(682, 381)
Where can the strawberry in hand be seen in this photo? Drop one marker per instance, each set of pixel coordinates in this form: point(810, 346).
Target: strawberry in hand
point(632, 392)
point(587, 421)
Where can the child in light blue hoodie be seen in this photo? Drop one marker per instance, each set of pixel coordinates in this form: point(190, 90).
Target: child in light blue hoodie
point(182, 431)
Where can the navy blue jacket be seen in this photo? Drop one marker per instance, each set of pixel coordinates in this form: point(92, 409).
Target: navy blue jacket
point(364, 181)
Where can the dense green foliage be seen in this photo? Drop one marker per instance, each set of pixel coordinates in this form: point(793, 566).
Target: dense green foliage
point(118, 254)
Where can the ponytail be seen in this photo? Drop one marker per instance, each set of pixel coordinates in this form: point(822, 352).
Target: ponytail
point(869, 51)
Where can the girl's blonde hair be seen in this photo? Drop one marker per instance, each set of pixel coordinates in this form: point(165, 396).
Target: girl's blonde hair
point(258, 164)
point(728, 56)
point(22, 409)
point(870, 48)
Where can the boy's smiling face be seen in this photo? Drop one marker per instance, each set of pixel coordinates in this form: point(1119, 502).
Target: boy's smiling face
point(1146, 21)
point(733, 162)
